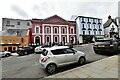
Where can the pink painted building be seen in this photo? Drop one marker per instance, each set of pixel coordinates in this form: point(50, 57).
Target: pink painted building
point(52, 29)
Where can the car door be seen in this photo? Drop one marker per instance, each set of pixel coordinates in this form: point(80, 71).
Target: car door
point(59, 56)
point(70, 55)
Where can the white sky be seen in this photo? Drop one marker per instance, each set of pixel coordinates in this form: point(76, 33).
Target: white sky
point(28, 9)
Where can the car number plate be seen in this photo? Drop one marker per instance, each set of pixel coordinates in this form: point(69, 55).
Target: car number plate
point(101, 46)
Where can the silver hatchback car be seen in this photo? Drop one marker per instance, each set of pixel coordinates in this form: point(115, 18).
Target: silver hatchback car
point(57, 56)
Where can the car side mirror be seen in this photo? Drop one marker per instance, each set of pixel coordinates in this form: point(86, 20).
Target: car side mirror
point(74, 52)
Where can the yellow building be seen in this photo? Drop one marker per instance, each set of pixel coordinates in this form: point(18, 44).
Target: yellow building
point(10, 42)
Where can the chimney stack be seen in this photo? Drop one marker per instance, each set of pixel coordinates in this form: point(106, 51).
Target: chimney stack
point(109, 17)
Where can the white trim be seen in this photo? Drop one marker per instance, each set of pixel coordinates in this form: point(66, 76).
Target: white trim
point(67, 35)
point(39, 38)
point(37, 26)
point(65, 38)
point(17, 41)
point(73, 30)
point(57, 39)
point(46, 30)
point(37, 34)
point(43, 34)
point(53, 25)
point(9, 42)
point(49, 38)
point(59, 34)
point(57, 30)
point(1, 41)
point(51, 33)
point(64, 30)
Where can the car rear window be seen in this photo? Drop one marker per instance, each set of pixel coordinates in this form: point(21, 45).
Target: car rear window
point(103, 42)
point(45, 52)
point(58, 51)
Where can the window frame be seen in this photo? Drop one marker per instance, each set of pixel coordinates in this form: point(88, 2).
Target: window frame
point(72, 28)
point(55, 40)
point(1, 41)
point(48, 28)
point(69, 49)
point(9, 41)
point(47, 37)
point(55, 29)
point(37, 26)
point(58, 52)
point(83, 32)
point(63, 28)
point(18, 22)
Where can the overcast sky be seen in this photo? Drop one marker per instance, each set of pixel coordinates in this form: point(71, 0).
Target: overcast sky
point(28, 9)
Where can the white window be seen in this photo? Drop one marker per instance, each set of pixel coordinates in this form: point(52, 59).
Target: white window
point(64, 39)
point(47, 30)
point(56, 39)
point(83, 32)
point(72, 30)
point(17, 41)
point(9, 41)
point(8, 23)
point(1, 41)
point(37, 29)
point(48, 39)
point(18, 23)
point(63, 30)
point(55, 30)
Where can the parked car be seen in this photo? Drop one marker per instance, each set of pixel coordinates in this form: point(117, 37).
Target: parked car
point(39, 49)
point(106, 46)
point(25, 50)
point(58, 56)
point(1, 54)
point(5, 54)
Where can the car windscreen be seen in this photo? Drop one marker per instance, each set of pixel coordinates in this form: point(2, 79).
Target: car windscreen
point(103, 42)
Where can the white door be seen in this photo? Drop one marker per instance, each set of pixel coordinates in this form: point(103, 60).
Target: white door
point(70, 55)
point(59, 56)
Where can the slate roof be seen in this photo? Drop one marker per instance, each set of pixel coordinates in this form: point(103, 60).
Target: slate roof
point(108, 22)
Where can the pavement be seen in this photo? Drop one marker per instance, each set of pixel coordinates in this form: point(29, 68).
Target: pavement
point(104, 68)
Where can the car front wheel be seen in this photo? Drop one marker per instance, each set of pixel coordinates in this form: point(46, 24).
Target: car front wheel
point(26, 53)
point(51, 68)
point(7, 55)
point(82, 61)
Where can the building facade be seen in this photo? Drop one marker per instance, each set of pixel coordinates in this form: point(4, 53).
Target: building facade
point(118, 24)
point(111, 28)
point(14, 33)
point(52, 29)
point(10, 43)
point(88, 28)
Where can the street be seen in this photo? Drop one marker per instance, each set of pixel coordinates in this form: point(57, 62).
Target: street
point(28, 66)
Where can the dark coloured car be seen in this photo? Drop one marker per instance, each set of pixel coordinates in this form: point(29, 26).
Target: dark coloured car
point(25, 50)
point(106, 46)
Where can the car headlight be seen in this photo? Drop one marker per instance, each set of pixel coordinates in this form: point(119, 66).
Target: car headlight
point(111, 45)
